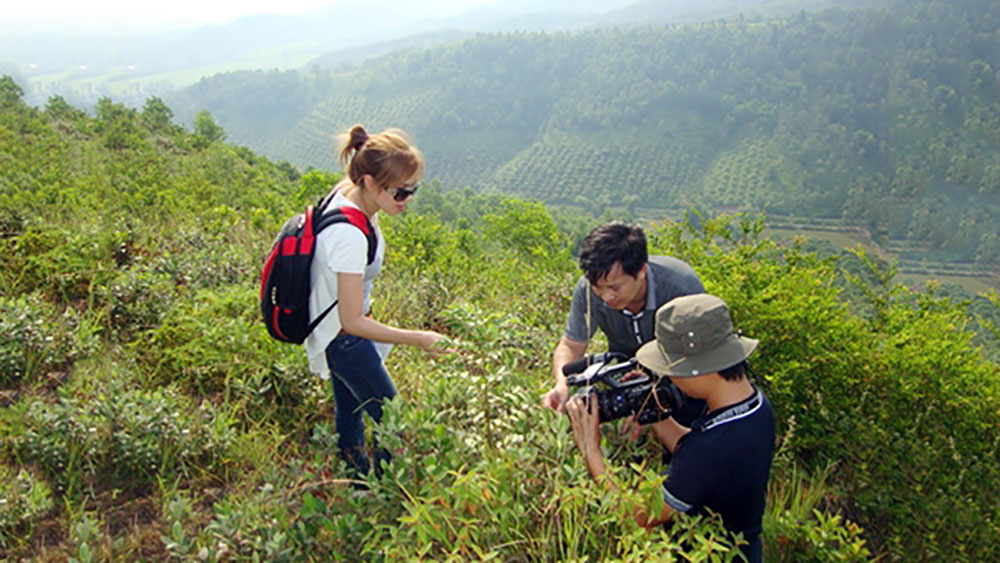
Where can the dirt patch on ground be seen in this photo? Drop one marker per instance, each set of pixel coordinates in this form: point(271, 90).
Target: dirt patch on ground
point(48, 542)
point(132, 515)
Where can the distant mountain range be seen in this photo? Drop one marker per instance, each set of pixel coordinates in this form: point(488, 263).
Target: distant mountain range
point(131, 68)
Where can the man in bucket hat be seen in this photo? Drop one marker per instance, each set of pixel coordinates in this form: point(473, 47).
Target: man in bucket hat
point(723, 460)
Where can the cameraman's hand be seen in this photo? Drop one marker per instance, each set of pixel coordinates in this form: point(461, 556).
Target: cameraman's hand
point(634, 374)
point(631, 428)
point(586, 425)
point(556, 398)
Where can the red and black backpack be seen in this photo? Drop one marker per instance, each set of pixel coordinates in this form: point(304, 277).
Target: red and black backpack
point(284, 282)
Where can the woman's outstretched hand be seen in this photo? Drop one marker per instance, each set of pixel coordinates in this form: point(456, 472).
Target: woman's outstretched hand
point(434, 343)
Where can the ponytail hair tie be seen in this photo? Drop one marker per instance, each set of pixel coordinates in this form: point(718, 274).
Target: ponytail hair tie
point(361, 141)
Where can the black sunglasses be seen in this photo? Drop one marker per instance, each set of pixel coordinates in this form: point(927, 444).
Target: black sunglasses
point(403, 193)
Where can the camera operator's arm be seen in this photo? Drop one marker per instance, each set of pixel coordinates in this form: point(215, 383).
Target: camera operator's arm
point(587, 435)
point(669, 432)
point(567, 350)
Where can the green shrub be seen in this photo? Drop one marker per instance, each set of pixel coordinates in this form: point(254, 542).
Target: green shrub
point(214, 252)
point(463, 486)
point(249, 526)
point(136, 301)
point(35, 338)
point(900, 396)
point(801, 522)
point(23, 501)
point(269, 517)
point(125, 438)
point(215, 344)
point(63, 265)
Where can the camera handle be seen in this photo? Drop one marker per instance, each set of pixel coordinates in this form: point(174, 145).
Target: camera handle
point(604, 368)
point(600, 360)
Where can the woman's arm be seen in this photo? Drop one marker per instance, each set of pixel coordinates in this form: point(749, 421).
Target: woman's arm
point(351, 295)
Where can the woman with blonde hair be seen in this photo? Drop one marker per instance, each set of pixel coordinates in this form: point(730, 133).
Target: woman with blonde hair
point(383, 171)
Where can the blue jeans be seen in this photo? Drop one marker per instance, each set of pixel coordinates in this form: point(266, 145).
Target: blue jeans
point(360, 384)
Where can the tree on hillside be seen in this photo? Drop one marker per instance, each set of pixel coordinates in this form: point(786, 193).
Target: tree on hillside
point(118, 124)
point(206, 130)
point(58, 108)
point(10, 92)
point(156, 116)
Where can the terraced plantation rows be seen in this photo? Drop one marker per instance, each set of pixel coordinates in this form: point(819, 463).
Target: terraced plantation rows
point(750, 175)
point(569, 169)
point(312, 141)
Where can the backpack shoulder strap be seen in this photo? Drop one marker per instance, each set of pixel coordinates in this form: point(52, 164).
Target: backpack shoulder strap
point(354, 216)
point(325, 201)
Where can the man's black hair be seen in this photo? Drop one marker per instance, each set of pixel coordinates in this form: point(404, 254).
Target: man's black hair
point(610, 243)
point(734, 373)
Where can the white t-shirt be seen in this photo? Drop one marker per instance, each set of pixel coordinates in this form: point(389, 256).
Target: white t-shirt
point(341, 247)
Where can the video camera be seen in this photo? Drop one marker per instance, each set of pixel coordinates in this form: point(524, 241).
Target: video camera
point(650, 398)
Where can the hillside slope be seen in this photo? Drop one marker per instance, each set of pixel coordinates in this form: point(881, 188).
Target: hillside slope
point(884, 119)
point(146, 414)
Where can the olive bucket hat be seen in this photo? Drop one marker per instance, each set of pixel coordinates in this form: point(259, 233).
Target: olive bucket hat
point(694, 336)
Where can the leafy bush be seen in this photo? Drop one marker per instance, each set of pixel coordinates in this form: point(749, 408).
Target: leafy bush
point(129, 437)
point(797, 526)
point(62, 265)
point(35, 338)
point(901, 397)
point(214, 344)
point(136, 301)
point(23, 501)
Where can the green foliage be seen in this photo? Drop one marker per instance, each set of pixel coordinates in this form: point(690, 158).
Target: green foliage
point(901, 396)
point(35, 339)
point(127, 437)
point(118, 124)
point(23, 501)
point(156, 116)
point(206, 130)
point(142, 262)
point(796, 525)
point(10, 92)
point(62, 265)
point(479, 472)
point(85, 533)
point(213, 345)
point(57, 108)
point(248, 526)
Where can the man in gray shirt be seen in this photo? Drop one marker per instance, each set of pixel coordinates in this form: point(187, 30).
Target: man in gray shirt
point(620, 291)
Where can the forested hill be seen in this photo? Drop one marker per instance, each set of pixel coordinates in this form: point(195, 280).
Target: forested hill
point(885, 118)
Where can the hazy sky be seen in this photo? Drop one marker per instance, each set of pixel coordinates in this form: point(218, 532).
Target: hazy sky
point(138, 16)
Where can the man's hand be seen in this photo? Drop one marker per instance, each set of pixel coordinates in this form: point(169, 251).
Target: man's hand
point(556, 398)
point(566, 351)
